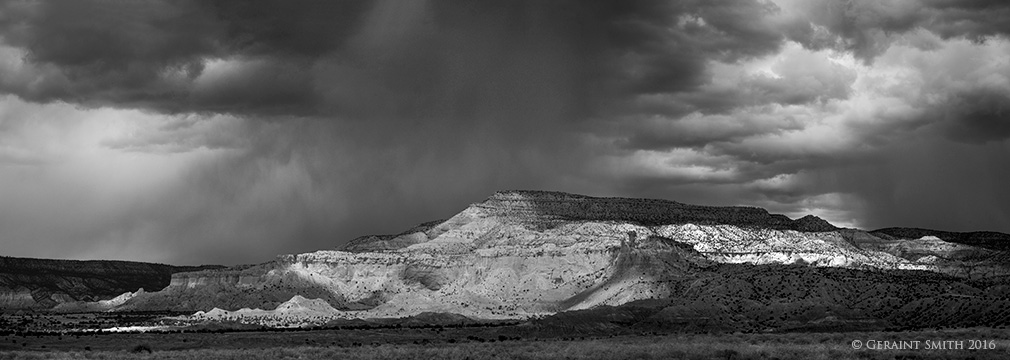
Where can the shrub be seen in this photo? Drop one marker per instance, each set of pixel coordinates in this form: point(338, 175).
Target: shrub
point(141, 348)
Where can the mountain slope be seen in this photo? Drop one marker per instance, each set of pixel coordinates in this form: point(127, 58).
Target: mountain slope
point(528, 253)
point(521, 254)
point(27, 283)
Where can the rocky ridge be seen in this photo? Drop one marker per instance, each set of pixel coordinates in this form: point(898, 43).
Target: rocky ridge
point(522, 254)
point(530, 253)
point(38, 284)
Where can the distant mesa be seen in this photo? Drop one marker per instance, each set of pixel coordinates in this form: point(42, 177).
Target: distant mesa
point(27, 283)
point(985, 239)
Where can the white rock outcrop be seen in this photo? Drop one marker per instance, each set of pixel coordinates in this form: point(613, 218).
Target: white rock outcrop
point(522, 254)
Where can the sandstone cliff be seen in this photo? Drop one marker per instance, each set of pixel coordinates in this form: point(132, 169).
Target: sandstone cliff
point(527, 253)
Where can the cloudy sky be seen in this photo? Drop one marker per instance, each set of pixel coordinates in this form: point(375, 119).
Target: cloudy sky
point(197, 131)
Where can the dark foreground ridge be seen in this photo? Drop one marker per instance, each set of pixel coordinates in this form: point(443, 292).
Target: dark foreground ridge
point(29, 283)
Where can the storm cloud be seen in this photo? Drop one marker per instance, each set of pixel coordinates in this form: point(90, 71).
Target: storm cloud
point(226, 131)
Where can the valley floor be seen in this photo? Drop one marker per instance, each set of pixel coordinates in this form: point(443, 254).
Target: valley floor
point(478, 344)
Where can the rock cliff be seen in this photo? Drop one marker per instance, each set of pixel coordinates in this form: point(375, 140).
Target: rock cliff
point(526, 253)
point(38, 284)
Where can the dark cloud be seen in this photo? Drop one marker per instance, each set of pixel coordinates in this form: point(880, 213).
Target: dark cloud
point(978, 116)
point(101, 36)
point(976, 19)
point(102, 52)
point(931, 183)
point(312, 58)
point(311, 29)
point(293, 127)
point(862, 26)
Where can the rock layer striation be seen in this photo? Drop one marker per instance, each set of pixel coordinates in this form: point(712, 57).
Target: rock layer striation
point(530, 253)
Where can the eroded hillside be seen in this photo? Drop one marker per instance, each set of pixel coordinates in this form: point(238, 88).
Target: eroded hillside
point(529, 253)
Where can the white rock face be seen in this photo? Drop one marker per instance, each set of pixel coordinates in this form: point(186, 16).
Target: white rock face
point(295, 312)
point(119, 300)
point(508, 257)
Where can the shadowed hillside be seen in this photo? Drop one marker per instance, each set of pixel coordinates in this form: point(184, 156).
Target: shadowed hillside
point(760, 298)
point(27, 283)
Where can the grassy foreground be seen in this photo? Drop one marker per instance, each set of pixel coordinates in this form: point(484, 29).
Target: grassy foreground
point(833, 346)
